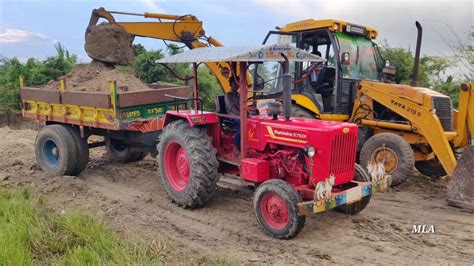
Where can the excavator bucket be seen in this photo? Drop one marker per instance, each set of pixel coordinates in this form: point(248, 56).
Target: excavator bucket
point(461, 183)
point(108, 42)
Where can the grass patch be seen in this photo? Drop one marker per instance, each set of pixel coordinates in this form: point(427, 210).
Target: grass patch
point(30, 234)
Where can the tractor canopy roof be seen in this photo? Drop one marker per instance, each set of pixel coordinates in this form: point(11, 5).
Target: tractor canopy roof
point(243, 54)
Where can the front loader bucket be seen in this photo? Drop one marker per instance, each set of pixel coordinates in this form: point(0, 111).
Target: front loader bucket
point(461, 183)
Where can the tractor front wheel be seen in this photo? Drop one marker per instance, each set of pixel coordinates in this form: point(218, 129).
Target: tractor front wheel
point(352, 208)
point(188, 164)
point(393, 152)
point(275, 205)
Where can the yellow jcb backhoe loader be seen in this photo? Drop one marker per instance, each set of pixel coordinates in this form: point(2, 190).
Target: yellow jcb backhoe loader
point(400, 126)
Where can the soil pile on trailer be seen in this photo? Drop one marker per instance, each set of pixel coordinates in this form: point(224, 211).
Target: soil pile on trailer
point(109, 43)
point(96, 76)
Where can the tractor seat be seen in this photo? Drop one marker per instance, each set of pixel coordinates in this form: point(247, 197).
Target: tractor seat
point(325, 83)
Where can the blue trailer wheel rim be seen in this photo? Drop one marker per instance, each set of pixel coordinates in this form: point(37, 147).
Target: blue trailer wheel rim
point(50, 153)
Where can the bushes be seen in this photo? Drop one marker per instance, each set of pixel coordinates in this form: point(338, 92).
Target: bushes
point(35, 72)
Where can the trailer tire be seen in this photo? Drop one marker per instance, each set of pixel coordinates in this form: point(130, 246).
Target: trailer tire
point(396, 153)
point(55, 150)
point(121, 152)
point(353, 208)
point(82, 150)
point(188, 164)
point(275, 206)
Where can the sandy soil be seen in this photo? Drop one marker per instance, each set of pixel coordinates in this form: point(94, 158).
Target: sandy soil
point(96, 76)
point(131, 198)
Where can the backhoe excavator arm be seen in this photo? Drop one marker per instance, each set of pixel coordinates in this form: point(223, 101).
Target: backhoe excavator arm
point(464, 117)
point(186, 29)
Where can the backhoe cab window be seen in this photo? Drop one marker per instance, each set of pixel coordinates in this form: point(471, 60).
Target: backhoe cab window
point(271, 73)
point(359, 57)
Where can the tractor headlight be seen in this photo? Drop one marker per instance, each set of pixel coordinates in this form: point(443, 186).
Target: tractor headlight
point(310, 151)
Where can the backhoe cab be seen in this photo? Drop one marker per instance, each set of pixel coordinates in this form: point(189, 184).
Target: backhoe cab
point(299, 166)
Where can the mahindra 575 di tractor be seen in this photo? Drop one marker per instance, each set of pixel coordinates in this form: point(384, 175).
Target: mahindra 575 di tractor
point(298, 165)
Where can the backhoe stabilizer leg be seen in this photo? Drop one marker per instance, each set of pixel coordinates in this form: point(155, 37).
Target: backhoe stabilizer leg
point(461, 184)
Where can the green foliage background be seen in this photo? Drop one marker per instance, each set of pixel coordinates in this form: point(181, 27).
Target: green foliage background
point(432, 73)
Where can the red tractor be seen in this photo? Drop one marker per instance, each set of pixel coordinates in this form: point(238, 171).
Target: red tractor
point(297, 165)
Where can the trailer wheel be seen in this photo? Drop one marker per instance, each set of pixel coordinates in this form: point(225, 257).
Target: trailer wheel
point(431, 168)
point(275, 205)
point(391, 150)
point(121, 152)
point(359, 175)
point(188, 164)
point(55, 150)
point(82, 150)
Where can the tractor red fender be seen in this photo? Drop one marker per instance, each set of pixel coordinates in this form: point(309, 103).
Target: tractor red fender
point(193, 118)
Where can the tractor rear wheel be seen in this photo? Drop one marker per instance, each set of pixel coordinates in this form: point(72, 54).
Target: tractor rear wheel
point(391, 150)
point(188, 164)
point(352, 208)
point(56, 151)
point(122, 152)
point(275, 205)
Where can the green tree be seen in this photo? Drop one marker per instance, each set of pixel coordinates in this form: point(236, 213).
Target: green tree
point(36, 73)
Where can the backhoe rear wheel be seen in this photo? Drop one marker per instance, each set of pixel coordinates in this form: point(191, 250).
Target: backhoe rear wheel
point(297, 111)
point(188, 164)
point(431, 168)
point(391, 150)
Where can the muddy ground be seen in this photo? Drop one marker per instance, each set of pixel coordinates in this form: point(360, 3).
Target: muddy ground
point(132, 200)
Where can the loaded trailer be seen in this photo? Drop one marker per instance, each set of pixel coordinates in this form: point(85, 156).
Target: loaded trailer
point(297, 166)
point(128, 121)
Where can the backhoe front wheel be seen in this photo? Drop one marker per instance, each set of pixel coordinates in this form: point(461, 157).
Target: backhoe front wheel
point(275, 205)
point(188, 164)
point(393, 152)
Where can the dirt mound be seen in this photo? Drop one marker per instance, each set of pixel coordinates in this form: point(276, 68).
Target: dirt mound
point(96, 76)
point(109, 43)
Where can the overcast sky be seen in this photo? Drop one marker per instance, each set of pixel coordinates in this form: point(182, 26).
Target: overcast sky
point(29, 28)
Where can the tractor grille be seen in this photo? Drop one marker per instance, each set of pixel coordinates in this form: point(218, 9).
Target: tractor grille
point(444, 112)
point(343, 153)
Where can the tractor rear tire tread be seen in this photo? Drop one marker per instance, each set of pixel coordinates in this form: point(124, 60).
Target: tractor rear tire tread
point(203, 163)
point(404, 152)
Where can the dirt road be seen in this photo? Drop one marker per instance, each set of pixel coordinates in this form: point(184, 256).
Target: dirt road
point(131, 198)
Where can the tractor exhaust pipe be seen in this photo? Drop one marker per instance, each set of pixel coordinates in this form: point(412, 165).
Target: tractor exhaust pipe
point(286, 89)
point(414, 80)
